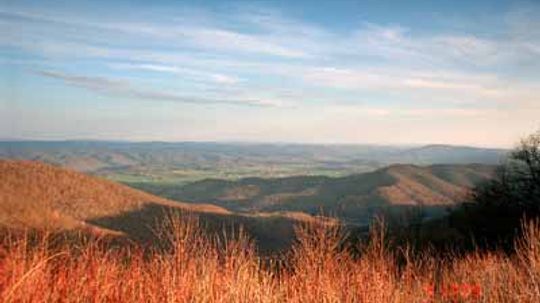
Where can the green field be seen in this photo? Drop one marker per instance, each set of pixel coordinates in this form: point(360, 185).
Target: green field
point(184, 176)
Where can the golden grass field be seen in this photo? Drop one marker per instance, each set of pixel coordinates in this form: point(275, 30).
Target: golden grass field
point(198, 267)
point(77, 261)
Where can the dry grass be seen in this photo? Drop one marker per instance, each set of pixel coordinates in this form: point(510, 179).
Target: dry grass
point(196, 267)
point(34, 194)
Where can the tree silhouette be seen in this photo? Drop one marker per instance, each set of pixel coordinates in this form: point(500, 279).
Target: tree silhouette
point(496, 209)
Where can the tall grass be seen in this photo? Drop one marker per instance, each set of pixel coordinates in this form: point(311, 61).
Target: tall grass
point(192, 266)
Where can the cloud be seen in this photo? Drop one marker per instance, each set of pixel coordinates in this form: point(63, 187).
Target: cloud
point(225, 40)
point(92, 83)
point(179, 34)
point(187, 72)
point(260, 57)
point(376, 79)
point(126, 89)
point(393, 113)
point(224, 79)
point(267, 32)
point(467, 45)
point(148, 67)
point(260, 38)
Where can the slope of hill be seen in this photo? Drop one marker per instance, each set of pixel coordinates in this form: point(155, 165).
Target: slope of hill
point(353, 197)
point(34, 193)
point(39, 195)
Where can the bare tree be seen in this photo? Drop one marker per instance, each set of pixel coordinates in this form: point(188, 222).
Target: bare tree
point(497, 208)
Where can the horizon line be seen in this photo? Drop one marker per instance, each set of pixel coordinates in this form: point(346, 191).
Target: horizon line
point(247, 142)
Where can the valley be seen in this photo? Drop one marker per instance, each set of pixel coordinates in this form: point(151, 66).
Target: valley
point(39, 196)
point(260, 185)
point(354, 198)
point(185, 162)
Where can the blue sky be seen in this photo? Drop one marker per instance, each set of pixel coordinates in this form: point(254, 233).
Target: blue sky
point(383, 72)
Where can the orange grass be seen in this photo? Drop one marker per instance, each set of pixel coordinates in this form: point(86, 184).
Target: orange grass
point(195, 267)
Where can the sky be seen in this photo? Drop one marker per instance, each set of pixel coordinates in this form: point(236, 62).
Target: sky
point(367, 72)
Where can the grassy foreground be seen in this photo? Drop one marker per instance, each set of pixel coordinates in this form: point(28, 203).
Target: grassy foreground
point(319, 268)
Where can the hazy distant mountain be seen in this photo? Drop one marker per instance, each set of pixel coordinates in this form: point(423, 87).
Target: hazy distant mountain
point(448, 154)
point(189, 161)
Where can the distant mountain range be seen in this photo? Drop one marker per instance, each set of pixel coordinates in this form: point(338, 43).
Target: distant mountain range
point(446, 154)
point(267, 187)
point(186, 162)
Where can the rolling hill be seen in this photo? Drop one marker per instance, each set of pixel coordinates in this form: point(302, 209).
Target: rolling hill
point(185, 162)
point(37, 195)
point(34, 194)
point(354, 198)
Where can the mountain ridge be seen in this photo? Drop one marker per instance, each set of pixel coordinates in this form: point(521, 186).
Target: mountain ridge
point(350, 197)
point(192, 161)
point(39, 196)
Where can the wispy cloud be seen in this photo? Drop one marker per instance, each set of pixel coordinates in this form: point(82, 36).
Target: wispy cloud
point(124, 88)
point(192, 73)
point(262, 57)
point(177, 34)
point(406, 81)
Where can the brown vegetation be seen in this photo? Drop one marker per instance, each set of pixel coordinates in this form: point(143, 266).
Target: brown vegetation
point(37, 195)
point(420, 186)
point(195, 264)
point(319, 268)
point(34, 194)
point(354, 197)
